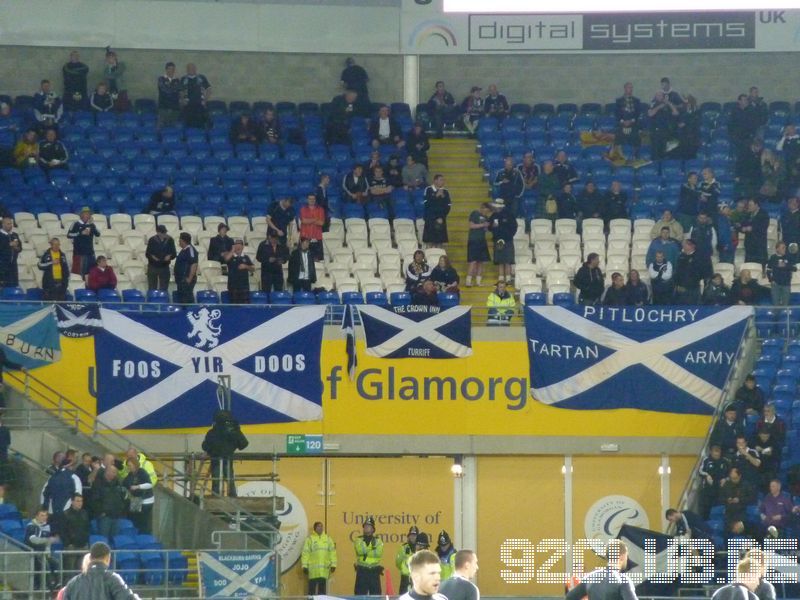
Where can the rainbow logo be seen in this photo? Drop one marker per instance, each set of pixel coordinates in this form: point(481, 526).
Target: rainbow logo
point(426, 30)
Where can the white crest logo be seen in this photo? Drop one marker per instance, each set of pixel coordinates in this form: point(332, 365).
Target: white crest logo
point(606, 516)
point(204, 327)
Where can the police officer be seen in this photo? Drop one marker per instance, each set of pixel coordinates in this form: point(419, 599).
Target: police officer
point(318, 559)
point(446, 554)
point(369, 552)
point(402, 556)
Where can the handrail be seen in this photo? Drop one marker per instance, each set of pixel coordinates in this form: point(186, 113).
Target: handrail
point(90, 425)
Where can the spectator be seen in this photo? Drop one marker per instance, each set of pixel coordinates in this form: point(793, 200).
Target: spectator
point(709, 193)
point(777, 508)
point(40, 538)
point(477, 249)
point(589, 280)
point(244, 131)
point(741, 126)
point(615, 294)
point(169, 97)
point(628, 112)
point(790, 222)
point(789, 147)
point(713, 474)
point(385, 131)
point(84, 469)
point(749, 398)
point(746, 290)
point(55, 463)
point(196, 91)
point(747, 170)
point(101, 276)
point(715, 292)
point(563, 169)
point(26, 151)
point(509, 185)
point(726, 430)
point(757, 108)
point(441, 109)
point(687, 524)
point(769, 454)
point(567, 203)
point(772, 176)
point(426, 294)
point(220, 244)
point(82, 233)
point(162, 202)
point(239, 268)
point(495, 104)
point(665, 244)
point(689, 202)
point(660, 271)
point(302, 270)
point(445, 276)
point(75, 87)
point(269, 128)
point(47, 107)
point(437, 207)
point(690, 269)
point(312, 222)
point(98, 579)
point(58, 491)
point(501, 305)
point(354, 77)
point(473, 109)
point(615, 203)
point(101, 100)
point(113, 71)
point(503, 226)
point(418, 144)
point(415, 175)
point(343, 109)
point(726, 242)
point(772, 423)
point(747, 461)
point(636, 291)
point(394, 171)
point(279, 217)
point(159, 252)
point(779, 272)
point(687, 131)
point(272, 255)
point(10, 247)
point(55, 277)
point(417, 271)
point(671, 223)
point(704, 236)
point(321, 194)
point(355, 186)
point(52, 153)
point(675, 98)
point(590, 203)
point(185, 269)
point(380, 192)
point(662, 114)
point(74, 534)
point(549, 187)
point(220, 444)
point(529, 171)
point(737, 494)
point(375, 161)
point(140, 491)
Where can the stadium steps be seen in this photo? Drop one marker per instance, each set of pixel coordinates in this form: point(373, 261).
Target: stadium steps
point(458, 160)
point(192, 577)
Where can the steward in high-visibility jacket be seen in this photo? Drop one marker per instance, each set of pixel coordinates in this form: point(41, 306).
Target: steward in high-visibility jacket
point(369, 553)
point(501, 306)
point(402, 556)
point(318, 560)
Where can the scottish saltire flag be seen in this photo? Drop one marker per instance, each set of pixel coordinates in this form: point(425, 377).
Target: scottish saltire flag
point(661, 358)
point(349, 328)
point(160, 370)
point(29, 335)
point(417, 331)
point(77, 320)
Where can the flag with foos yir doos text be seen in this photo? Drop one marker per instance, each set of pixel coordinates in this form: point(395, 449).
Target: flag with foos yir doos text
point(29, 335)
point(662, 358)
point(417, 331)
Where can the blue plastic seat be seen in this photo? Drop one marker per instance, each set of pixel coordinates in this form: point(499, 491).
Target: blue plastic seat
point(400, 298)
point(207, 297)
point(84, 295)
point(377, 298)
point(301, 297)
point(261, 298)
point(352, 298)
point(13, 293)
point(328, 297)
point(280, 297)
point(563, 299)
point(125, 542)
point(157, 296)
point(448, 299)
point(535, 299)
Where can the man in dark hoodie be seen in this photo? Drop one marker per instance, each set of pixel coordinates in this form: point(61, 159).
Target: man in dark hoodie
point(221, 442)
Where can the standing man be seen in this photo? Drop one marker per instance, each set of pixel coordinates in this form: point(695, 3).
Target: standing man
point(82, 234)
point(57, 493)
point(74, 534)
point(160, 252)
point(186, 268)
point(99, 581)
point(272, 255)
point(509, 186)
point(755, 229)
point(221, 442)
point(10, 246)
point(628, 111)
point(55, 276)
point(279, 216)
point(425, 577)
point(318, 560)
point(354, 77)
point(402, 556)
point(302, 270)
point(743, 588)
point(75, 88)
point(369, 553)
point(460, 586)
point(239, 268)
point(446, 553)
point(220, 244)
point(436, 209)
point(197, 92)
point(690, 269)
point(779, 271)
point(169, 97)
point(606, 583)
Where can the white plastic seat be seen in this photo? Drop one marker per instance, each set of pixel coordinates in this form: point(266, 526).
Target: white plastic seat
point(47, 217)
point(394, 287)
point(556, 288)
point(541, 227)
point(569, 243)
point(520, 233)
point(567, 227)
point(404, 226)
point(570, 262)
point(755, 269)
point(211, 223)
point(642, 228)
point(133, 268)
point(119, 222)
point(617, 245)
point(121, 255)
point(545, 260)
point(592, 226)
point(347, 284)
point(135, 240)
point(379, 228)
point(372, 284)
point(407, 246)
point(355, 229)
point(522, 251)
point(39, 240)
point(24, 217)
point(432, 255)
point(144, 221)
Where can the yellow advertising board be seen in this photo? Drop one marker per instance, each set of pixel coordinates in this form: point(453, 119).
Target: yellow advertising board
point(484, 394)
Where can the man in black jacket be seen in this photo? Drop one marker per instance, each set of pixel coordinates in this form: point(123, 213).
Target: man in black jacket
point(74, 533)
point(607, 583)
point(82, 234)
point(109, 501)
point(690, 270)
point(99, 583)
point(590, 281)
point(509, 185)
point(10, 247)
point(272, 255)
point(160, 251)
point(221, 442)
point(302, 271)
point(220, 244)
point(755, 230)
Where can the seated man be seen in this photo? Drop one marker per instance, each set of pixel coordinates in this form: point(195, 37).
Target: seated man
point(426, 294)
point(749, 398)
point(47, 106)
point(101, 276)
point(496, 104)
point(473, 109)
point(380, 192)
point(101, 100)
point(737, 495)
point(777, 509)
point(385, 131)
point(501, 305)
point(355, 186)
point(52, 153)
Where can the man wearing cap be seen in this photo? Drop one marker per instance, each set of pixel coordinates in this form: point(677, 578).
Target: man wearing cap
point(82, 234)
point(272, 255)
point(186, 268)
point(318, 559)
point(423, 542)
point(459, 586)
point(402, 556)
point(425, 577)
point(446, 554)
point(219, 244)
point(727, 430)
point(369, 552)
point(10, 247)
point(160, 251)
point(239, 268)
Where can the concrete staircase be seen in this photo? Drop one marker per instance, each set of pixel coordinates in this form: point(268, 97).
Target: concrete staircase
point(458, 161)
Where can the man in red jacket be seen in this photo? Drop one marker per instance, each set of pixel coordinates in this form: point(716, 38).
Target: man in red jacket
point(101, 276)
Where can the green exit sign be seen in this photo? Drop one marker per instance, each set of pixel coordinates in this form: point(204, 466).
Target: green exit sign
point(303, 444)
